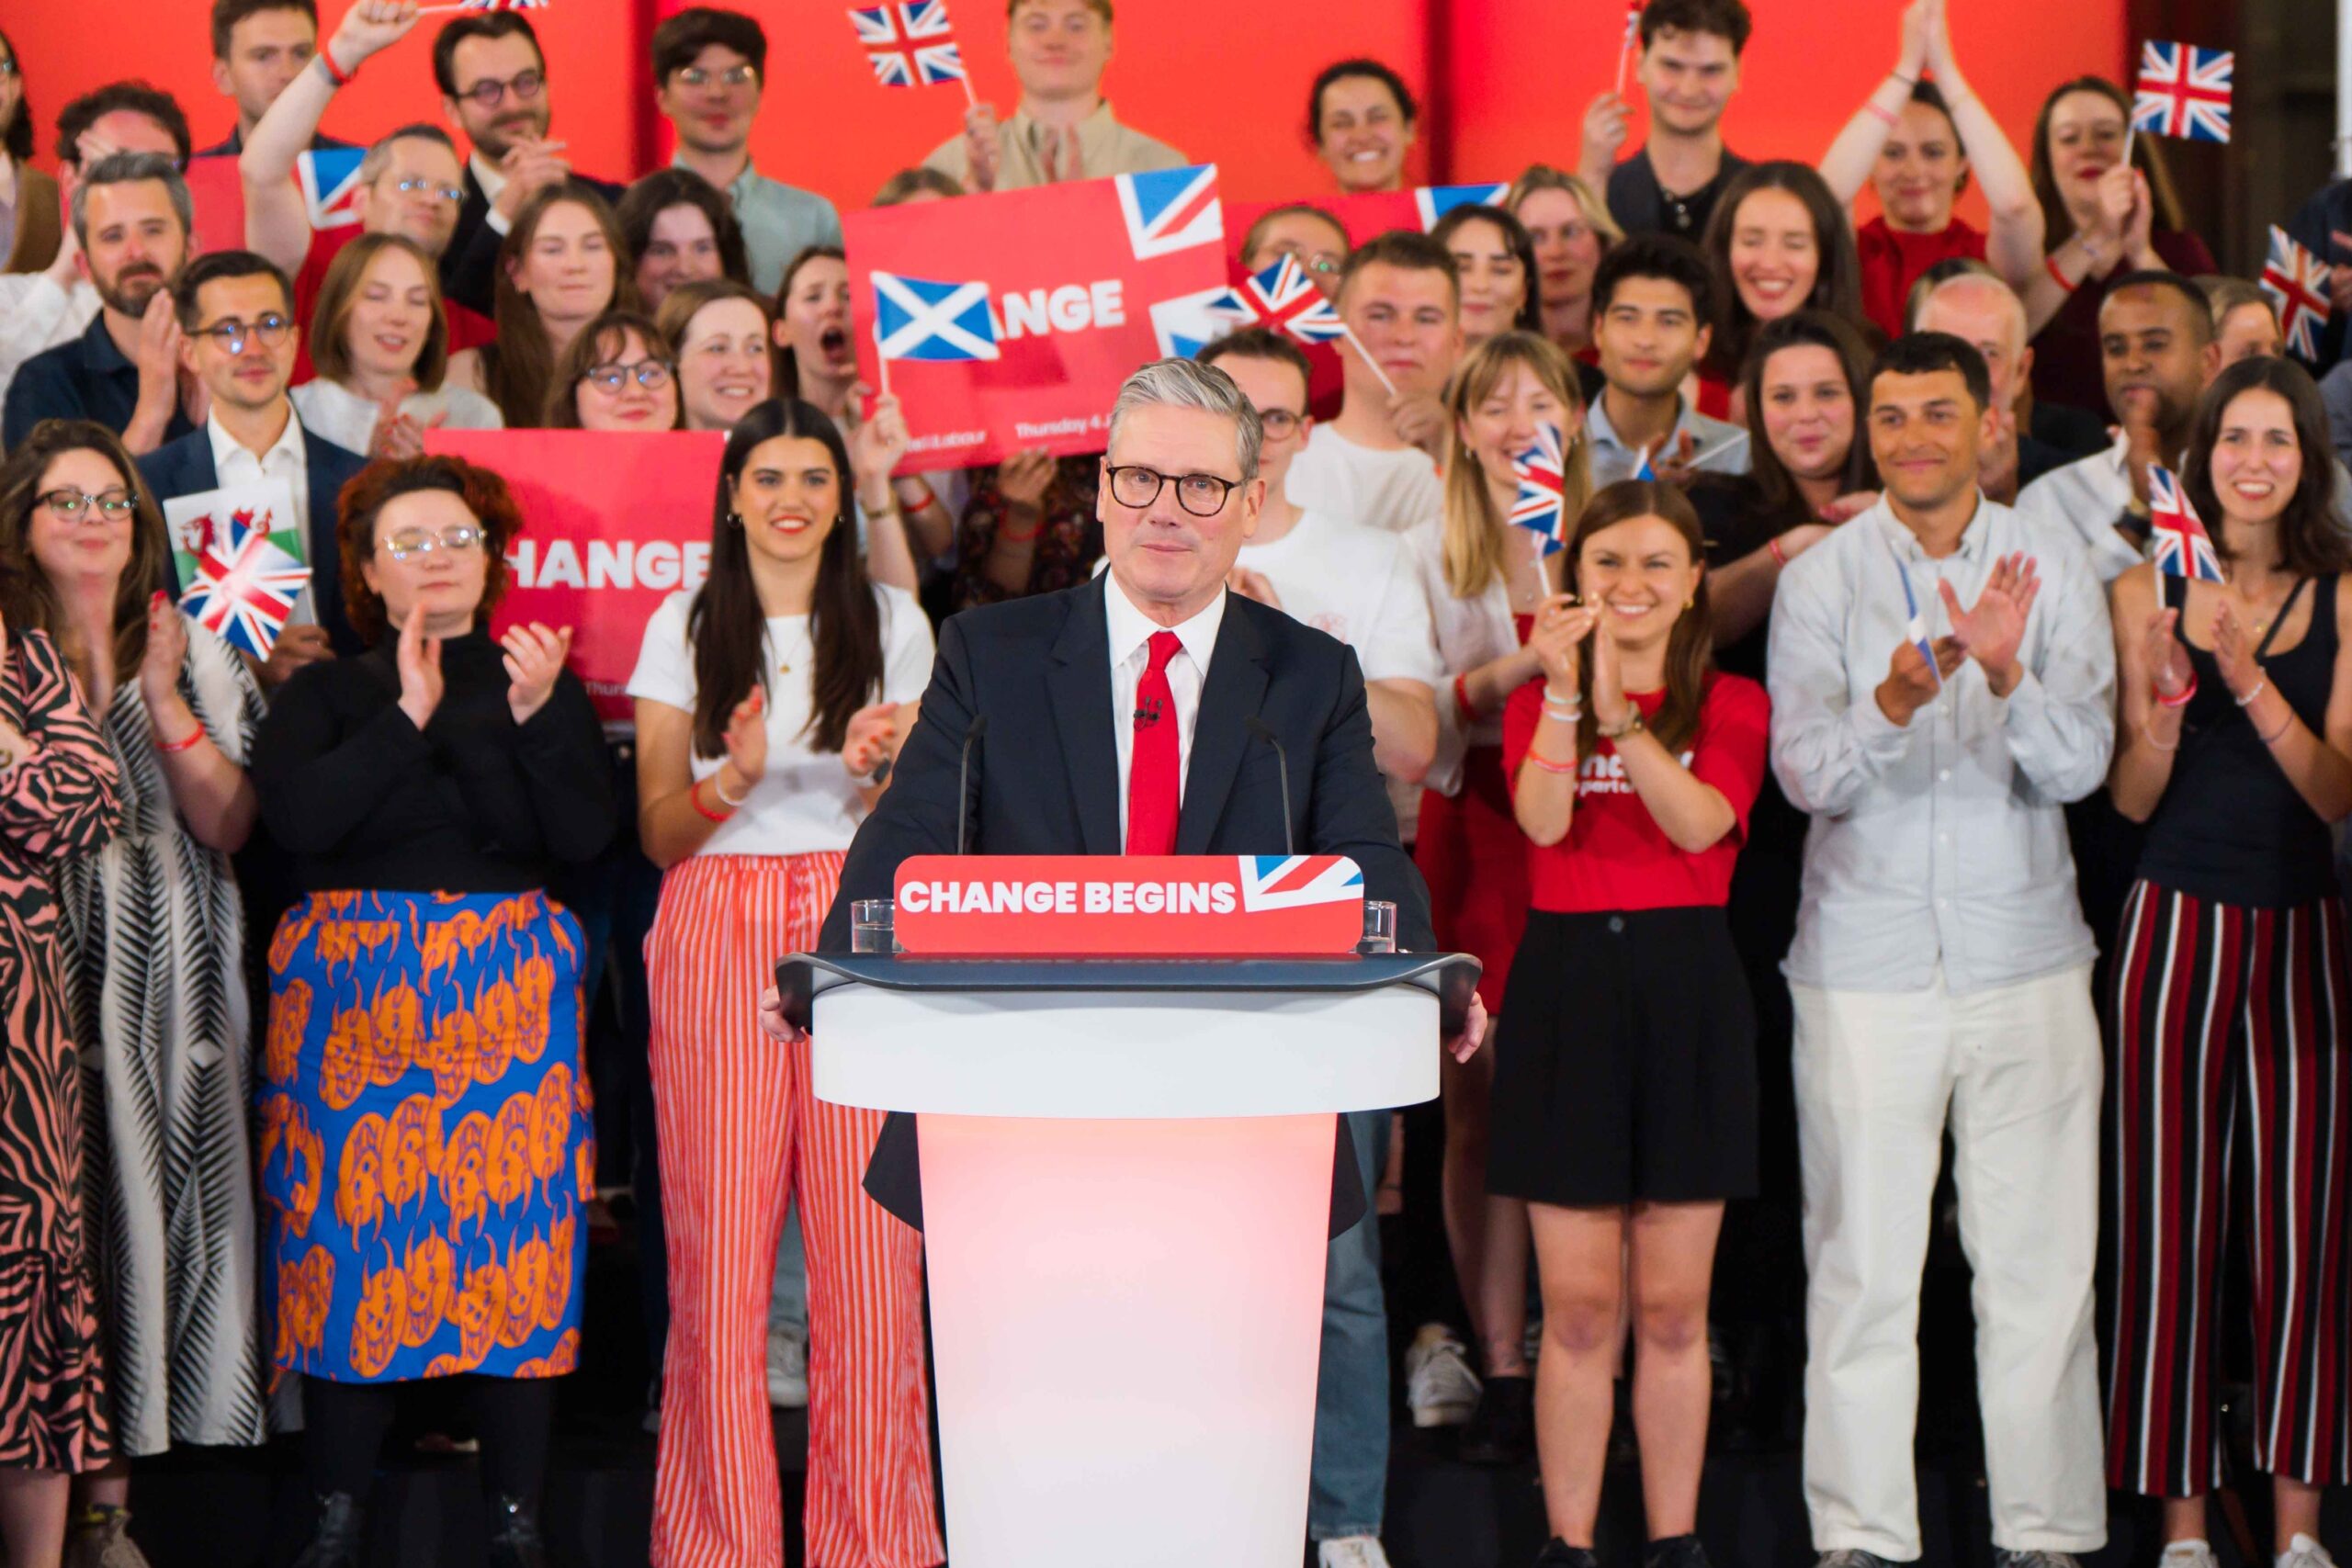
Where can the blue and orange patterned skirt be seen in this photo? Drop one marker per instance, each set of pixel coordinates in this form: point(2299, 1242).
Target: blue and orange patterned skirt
point(426, 1140)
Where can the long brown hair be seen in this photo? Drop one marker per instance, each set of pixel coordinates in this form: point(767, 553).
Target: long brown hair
point(339, 295)
point(1776, 489)
point(27, 596)
point(1838, 267)
point(728, 630)
point(1474, 534)
point(1690, 646)
point(2058, 224)
point(518, 368)
point(600, 342)
point(2309, 544)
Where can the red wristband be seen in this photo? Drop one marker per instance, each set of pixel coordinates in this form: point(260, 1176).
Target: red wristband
point(336, 73)
point(1462, 698)
point(1547, 765)
point(694, 797)
point(2051, 262)
point(1779, 556)
point(167, 748)
point(2181, 700)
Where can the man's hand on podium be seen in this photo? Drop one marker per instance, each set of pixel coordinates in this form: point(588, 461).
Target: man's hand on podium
point(1462, 1047)
point(772, 1020)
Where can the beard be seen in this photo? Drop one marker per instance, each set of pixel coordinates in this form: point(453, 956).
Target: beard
point(128, 292)
point(497, 137)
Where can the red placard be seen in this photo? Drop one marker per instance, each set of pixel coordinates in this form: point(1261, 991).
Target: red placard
point(1129, 906)
point(613, 524)
point(219, 194)
point(1085, 281)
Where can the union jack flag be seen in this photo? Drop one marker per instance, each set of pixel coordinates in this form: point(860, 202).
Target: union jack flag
point(1642, 469)
point(1433, 202)
point(1285, 299)
point(500, 5)
point(330, 179)
point(908, 43)
point(1288, 881)
point(2176, 536)
point(2184, 91)
point(1915, 624)
point(1632, 24)
point(1542, 507)
point(1172, 210)
point(2296, 282)
point(246, 586)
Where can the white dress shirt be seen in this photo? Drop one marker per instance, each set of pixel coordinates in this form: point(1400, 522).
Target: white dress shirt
point(232, 464)
point(1188, 672)
point(492, 180)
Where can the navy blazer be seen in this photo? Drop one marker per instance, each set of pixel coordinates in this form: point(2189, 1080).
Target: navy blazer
point(185, 467)
point(1046, 778)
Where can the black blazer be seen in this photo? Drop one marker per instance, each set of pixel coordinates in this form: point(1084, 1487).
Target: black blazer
point(470, 266)
point(184, 467)
point(1046, 777)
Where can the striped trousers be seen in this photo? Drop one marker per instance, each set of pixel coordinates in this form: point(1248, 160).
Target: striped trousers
point(740, 1131)
point(2229, 1024)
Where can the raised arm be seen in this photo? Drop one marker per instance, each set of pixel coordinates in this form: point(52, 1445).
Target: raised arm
point(2058, 712)
point(2014, 244)
point(1846, 167)
point(277, 224)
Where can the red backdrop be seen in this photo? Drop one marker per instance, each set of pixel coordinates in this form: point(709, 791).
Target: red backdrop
point(1505, 80)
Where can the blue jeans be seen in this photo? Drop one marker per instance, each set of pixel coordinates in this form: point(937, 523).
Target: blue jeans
point(1350, 1485)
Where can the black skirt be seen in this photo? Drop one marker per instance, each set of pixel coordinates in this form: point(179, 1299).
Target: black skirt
point(1625, 1062)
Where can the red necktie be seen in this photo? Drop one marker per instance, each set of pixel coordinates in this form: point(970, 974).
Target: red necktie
point(1153, 776)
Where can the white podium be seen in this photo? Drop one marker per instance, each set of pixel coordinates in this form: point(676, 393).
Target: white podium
point(1127, 1194)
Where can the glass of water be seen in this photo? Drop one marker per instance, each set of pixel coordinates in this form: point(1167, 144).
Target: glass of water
point(1379, 927)
point(873, 924)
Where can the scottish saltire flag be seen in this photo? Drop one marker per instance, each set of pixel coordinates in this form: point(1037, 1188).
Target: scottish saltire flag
point(908, 44)
point(2177, 541)
point(940, 322)
point(1542, 506)
point(1172, 210)
point(1434, 202)
point(1284, 297)
point(2184, 91)
point(246, 586)
point(330, 179)
point(1915, 624)
point(1287, 882)
point(2296, 282)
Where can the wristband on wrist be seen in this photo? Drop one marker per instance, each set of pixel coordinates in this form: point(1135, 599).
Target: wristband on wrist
point(336, 73)
point(1907, 81)
point(1462, 701)
point(2259, 687)
point(168, 748)
point(2157, 743)
point(2177, 701)
point(2284, 725)
point(1779, 556)
point(718, 788)
point(1547, 765)
point(1006, 536)
point(694, 797)
point(2059, 273)
point(1888, 116)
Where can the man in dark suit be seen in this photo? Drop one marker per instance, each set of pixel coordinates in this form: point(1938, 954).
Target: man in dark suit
point(236, 315)
point(493, 82)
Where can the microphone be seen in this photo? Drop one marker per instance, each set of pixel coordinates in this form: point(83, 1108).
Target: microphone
point(1265, 732)
point(972, 732)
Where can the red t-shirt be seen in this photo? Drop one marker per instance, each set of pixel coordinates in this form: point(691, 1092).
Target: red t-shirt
point(1616, 856)
point(1893, 261)
point(468, 329)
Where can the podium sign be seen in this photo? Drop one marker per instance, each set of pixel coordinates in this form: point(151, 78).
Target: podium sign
point(1132, 906)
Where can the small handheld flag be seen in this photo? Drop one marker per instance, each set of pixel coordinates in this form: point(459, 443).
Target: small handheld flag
point(485, 5)
point(1284, 298)
point(1642, 469)
point(2176, 536)
point(1915, 624)
point(1626, 51)
point(1433, 202)
point(246, 586)
point(2296, 282)
point(1542, 506)
point(938, 323)
point(330, 181)
point(909, 45)
point(2183, 91)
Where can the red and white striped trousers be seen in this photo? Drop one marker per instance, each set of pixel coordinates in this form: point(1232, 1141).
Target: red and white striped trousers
point(740, 1131)
point(2229, 1024)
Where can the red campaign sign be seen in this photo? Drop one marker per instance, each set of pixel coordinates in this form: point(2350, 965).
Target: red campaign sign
point(1077, 284)
point(1129, 906)
point(214, 185)
point(613, 524)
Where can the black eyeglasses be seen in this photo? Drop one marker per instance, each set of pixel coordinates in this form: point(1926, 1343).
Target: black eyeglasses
point(70, 504)
point(1202, 495)
point(490, 93)
point(650, 374)
point(231, 335)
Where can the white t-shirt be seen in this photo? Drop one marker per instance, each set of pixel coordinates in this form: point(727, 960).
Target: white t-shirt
point(334, 412)
point(1389, 491)
point(1358, 585)
point(806, 802)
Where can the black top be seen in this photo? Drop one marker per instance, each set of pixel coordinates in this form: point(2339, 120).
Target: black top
point(1732, 516)
point(1642, 206)
point(474, 803)
point(86, 378)
point(2230, 829)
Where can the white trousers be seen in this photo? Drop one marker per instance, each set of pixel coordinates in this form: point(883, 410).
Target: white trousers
point(2017, 1070)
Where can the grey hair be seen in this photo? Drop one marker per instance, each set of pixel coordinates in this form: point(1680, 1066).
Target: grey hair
point(128, 168)
point(380, 151)
point(1989, 282)
point(1187, 384)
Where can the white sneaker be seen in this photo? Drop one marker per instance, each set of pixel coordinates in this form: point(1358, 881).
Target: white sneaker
point(2189, 1554)
point(2301, 1553)
point(1350, 1552)
point(1440, 1388)
point(787, 1372)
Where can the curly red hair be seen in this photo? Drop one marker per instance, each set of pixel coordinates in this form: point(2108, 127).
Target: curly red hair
point(363, 500)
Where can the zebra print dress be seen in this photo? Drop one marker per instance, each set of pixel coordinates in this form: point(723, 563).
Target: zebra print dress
point(59, 801)
point(156, 936)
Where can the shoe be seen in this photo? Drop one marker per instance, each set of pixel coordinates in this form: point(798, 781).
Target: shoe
point(1559, 1553)
point(1350, 1552)
point(337, 1540)
point(787, 1370)
point(514, 1541)
point(1852, 1557)
point(1502, 1429)
point(2193, 1554)
point(1440, 1388)
point(101, 1539)
point(2301, 1553)
point(2005, 1558)
point(1675, 1551)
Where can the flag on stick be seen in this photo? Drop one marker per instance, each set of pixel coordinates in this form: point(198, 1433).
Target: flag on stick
point(2176, 536)
point(2296, 282)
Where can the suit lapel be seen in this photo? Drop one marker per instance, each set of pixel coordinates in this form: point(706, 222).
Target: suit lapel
point(1079, 682)
point(1236, 688)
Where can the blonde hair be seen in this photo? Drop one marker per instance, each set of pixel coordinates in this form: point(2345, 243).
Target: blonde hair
point(1476, 534)
point(1544, 177)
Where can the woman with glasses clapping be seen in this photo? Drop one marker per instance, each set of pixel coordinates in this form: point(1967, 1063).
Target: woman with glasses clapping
point(619, 374)
point(427, 1150)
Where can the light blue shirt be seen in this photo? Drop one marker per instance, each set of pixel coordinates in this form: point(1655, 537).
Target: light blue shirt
point(1943, 841)
point(779, 223)
point(1720, 448)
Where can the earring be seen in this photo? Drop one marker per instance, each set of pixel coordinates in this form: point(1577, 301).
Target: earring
point(734, 520)
point(1691, 603)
